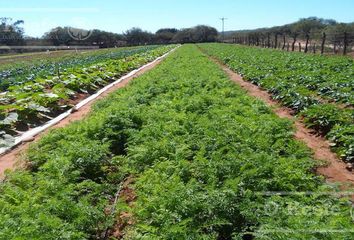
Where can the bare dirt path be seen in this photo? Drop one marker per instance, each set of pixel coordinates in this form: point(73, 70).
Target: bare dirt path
point(13, 158)
point(335, 170)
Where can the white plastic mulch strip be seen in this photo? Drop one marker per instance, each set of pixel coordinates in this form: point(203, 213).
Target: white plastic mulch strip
point(35, 131)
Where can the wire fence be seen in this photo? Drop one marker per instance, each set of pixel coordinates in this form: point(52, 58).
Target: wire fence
point(316, 42)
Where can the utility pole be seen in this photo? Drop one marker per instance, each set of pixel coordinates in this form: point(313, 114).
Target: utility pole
point(223, 28)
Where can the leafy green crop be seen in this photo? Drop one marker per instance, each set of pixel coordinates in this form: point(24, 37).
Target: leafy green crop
point(311, 85)
point(202, 155)
point(37, 101)
point(17, 74)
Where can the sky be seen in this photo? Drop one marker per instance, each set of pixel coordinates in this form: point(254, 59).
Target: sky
point(118, 15)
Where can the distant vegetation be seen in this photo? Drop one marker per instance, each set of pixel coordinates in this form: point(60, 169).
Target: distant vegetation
point(12, 33)
point(137, 36)
point(309, 32)
point(312, 27)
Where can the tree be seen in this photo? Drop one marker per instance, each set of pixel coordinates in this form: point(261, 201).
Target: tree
point(204, 33)
point(64, 36)
point(183, 36)
point(165, 35)
point(136, 36)
point(11, 33)
point(105, 39)
point(196, 34)
point(59, 36)
point(335, 33)
point(284, 31)
point(304, 29)
point(307, 26)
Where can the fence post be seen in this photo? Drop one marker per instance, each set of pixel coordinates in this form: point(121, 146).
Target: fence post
point(345, 43)
point(268, 40)
point(287, 47)
point(314, 48)
point(323, 42)
point(283, 42)
point(293, 44)
point(299, 46)
point(307, 42)
point(276, 41)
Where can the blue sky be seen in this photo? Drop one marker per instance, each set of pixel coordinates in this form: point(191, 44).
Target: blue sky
point(118, 16)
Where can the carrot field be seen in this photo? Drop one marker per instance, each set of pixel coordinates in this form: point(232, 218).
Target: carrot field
point(182, 152)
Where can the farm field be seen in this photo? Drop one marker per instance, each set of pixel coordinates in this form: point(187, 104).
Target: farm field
point(319, 89)
point(7, 59)
point(53, 86)
point(184, 153)
point(36, 65)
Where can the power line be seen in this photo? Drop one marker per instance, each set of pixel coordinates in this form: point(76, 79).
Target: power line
point(223, 28)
